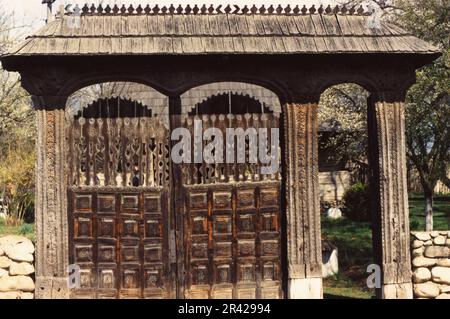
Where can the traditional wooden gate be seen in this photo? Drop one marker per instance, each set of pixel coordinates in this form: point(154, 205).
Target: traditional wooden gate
point(232, 218)
point(119, 177)
point(121, 213)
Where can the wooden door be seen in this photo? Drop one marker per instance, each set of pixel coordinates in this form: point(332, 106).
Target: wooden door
point(119, 208)
point(122, 216)
point(120, 242)
point(232, 217)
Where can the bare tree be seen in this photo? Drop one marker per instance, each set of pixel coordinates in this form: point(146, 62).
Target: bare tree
point(17, 133)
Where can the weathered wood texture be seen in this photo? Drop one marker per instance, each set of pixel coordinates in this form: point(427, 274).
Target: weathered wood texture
point(232, 220)
point(118, 152)
point(302, 193)
point(246, 169)
point(218, 33)
point(201, 93)
point(51, 206)
point(232, 240)
point(119, 177)
point(390, 203)
point(140, 93)
point(120, 240)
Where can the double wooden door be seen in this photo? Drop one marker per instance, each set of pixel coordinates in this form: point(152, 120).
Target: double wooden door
point(130, 237)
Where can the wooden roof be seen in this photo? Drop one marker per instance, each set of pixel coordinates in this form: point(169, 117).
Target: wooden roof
point(194, 31)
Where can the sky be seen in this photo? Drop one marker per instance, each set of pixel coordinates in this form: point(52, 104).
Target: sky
point(32, 13)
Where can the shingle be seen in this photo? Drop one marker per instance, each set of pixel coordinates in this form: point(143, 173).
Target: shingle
point(305, 25)
point(218, 24)
point(318, 24)
point(260, 30)
point(238, 24)
point(331, 25)
point(285, 26)
point(219, 33)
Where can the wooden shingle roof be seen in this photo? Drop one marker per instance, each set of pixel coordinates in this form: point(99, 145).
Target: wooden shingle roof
point(194, 31)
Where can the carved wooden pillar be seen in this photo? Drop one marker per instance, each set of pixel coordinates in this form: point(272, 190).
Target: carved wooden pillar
point(387, 157)
point(177, 228)
point(51, 200)
point(304, 253)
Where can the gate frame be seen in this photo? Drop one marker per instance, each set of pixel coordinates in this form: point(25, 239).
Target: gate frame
point(298, 82)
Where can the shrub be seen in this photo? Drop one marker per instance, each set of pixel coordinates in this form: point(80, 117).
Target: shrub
point(414, 225)
point(26, 229)
point(17, 185)
point(356, 203)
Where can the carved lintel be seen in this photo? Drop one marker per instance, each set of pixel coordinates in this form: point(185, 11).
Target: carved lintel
point(304, 251)
point(301, 92)
point(51, 200)
point(49, 102)
point(389, 96)
point(387, 157)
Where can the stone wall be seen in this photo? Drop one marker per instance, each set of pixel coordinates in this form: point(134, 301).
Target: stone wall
point(431, 264)
point(16, 268)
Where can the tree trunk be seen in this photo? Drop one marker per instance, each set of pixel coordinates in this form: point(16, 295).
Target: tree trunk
point(428, 210)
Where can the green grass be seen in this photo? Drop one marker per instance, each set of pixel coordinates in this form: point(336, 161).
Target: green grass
point(441, 212)
point(26, 230)
point(341, 286)
point(354, 242)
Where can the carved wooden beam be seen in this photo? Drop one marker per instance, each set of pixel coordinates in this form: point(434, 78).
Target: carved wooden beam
point(304, 251)
point(387, 155)
point(51, 203)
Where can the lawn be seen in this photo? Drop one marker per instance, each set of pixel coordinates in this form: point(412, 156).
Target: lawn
point(354, 241)
point(25, 229)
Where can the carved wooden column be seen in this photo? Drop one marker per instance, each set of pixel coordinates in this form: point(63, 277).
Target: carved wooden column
point(304, 253)
point(51, 200)
point(177, 229)
point(387, 157)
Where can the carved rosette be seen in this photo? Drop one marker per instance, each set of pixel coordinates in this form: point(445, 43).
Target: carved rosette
point(302, 192)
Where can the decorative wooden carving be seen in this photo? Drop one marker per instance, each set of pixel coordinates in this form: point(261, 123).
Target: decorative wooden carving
point(233, 240)
point(122, 152)
point(120, 240)
point(51, 212)
point(232, 218)
point(231, 172)
point(302, 194)
point(107, 10)
point(119, 176)
point(391, 213)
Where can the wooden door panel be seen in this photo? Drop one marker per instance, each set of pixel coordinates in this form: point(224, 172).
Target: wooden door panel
point(231, 214)
point(120, 241)
point(232, 238)
point(118, 186)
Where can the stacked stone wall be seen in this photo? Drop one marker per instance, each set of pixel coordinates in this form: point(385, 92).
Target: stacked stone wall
point(430, 252)
point(16, 268)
